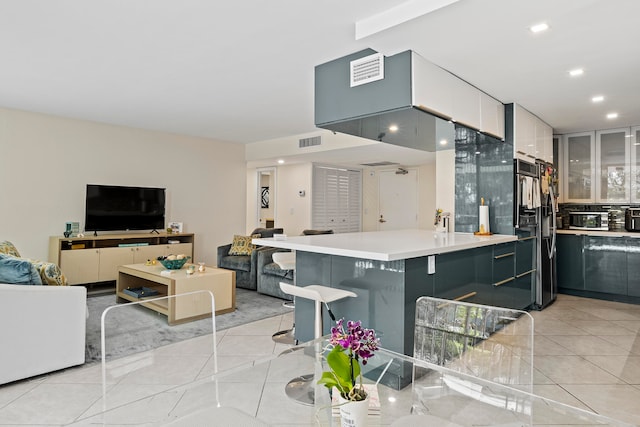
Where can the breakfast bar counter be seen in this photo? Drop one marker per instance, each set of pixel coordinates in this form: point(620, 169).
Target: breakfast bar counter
point(389, 270)
point(386, 245)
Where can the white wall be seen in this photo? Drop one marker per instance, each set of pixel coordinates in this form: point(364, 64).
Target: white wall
point(46, 162)
point(446, 184)
point(292, 212)
point(426, 196)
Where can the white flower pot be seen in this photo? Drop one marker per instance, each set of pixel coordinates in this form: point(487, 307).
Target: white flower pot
point(353, 414)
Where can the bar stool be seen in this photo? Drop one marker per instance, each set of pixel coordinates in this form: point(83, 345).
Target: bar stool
point(286, 261)
point(301, 388)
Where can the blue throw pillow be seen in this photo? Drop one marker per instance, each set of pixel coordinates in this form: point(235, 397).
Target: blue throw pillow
point(18, 271)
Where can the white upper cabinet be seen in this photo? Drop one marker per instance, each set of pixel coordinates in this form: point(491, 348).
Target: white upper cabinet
point(436, 90)
point(544, 141)
point(612, 166)
point(491, 116)
point(533, 138)
point(466, 104)
point(432, 87)
point(524, 144)
point(578, 169)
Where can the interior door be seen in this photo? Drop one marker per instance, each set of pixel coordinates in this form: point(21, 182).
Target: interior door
point(397, 199)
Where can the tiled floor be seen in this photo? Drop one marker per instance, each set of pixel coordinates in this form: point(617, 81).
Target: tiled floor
point(587, 354)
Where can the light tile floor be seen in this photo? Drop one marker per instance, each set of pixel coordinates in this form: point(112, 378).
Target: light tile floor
point(587, 354)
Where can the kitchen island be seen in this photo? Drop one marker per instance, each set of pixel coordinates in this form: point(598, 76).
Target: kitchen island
point(389, 270)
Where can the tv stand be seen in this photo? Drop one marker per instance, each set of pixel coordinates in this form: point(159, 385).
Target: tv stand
point(95, 259)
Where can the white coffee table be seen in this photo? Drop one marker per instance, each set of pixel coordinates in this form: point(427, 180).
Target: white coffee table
point(183, 309)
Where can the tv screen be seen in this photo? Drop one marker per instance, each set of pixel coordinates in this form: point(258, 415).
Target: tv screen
point(111, 208)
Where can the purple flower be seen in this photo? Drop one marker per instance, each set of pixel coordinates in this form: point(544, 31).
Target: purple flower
point(358, 341)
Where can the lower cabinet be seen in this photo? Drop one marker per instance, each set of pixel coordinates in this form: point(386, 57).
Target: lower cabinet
point(605, 264)
point(570, 261)
point(465, 276)
point(485, 276)
point(633, 267)
point(80, 266)
point(602, 264)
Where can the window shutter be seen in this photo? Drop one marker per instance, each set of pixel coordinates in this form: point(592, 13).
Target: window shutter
point(336, 199)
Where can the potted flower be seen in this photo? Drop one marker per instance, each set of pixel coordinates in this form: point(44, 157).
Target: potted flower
point(351, 346)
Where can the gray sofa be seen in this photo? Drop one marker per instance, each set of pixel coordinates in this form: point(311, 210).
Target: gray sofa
point(270, 274)
point(245, 266)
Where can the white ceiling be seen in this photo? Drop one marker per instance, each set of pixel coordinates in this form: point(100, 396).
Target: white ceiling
point(242, 71)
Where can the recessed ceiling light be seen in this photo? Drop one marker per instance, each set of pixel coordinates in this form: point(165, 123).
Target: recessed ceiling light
point(543, 26)
point(393, 128)
point(576, 72)
point(612, 116)
point(280, 161)
point(598, 98)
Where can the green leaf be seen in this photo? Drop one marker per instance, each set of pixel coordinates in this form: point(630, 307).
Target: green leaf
point(341, 366)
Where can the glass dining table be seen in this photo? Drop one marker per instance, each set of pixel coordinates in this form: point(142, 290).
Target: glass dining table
point(405, 392)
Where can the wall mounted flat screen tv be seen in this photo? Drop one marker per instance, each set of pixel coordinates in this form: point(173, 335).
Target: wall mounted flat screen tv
point(115, 208)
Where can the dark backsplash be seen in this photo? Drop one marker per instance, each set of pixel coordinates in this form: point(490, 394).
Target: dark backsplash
point(484, 169)
point(616, 213)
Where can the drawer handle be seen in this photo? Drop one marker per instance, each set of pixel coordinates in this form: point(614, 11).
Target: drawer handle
point(525, 273)
point(502, 282)
point(460, 298)
point(504, 255)
point(526, 238)
point(465, 296)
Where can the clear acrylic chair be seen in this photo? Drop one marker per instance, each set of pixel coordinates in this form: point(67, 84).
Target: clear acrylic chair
point(493, 343)
point(163, 357)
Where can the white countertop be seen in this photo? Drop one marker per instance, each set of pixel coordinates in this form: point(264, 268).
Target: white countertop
point(386, 245)
point(600, 233)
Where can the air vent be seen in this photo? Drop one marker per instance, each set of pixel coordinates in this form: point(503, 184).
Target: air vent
point(367, 69)
point(309, 142)
point(383, 163)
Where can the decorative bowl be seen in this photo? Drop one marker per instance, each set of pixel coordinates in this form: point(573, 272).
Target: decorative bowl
point(174, 264)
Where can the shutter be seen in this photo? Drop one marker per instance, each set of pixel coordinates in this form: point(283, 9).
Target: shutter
point(336, 199)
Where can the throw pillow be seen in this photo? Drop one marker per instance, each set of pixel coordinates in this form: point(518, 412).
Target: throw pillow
point(242, 245)
point(7, 247)
point(18, 271)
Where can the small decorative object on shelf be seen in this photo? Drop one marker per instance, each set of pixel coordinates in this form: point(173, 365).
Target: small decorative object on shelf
point(350, 346)
point(176, 227)
point(173, 262)
point(201, 267)
point(191, 269)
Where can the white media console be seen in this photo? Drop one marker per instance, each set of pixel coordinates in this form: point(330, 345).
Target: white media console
point(92, 259)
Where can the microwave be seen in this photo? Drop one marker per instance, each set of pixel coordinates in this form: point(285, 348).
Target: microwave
point(589, 220)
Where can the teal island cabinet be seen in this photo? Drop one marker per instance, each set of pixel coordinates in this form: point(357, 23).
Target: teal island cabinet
point(602, 265)
point(389, 270)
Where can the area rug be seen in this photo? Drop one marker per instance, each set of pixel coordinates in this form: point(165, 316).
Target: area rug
point(138, 329)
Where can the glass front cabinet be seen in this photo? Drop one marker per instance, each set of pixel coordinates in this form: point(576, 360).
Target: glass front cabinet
point(612, 162)
point(601, 167)
point(579, 167)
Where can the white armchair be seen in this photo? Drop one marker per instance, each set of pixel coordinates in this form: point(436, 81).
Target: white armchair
point(43, 329)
